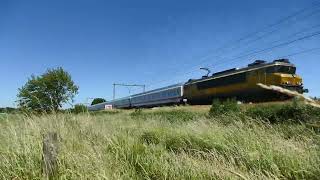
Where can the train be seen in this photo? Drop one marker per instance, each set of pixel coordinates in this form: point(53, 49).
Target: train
point(238, 83)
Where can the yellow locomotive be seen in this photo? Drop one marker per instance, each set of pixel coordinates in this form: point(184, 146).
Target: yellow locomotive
point(242, 83)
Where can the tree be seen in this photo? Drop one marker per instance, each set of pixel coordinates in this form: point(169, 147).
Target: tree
point(47, 92)
point(97, 101)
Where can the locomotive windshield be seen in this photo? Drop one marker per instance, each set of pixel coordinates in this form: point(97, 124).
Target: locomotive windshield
point(281, 69)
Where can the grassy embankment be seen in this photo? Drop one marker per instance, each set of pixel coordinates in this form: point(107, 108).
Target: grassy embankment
point(167, 143)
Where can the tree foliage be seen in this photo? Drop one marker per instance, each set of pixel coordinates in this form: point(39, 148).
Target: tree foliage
point(97, 101)
point(47, 92)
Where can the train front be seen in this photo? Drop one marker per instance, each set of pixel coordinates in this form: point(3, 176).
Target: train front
point(283, 74)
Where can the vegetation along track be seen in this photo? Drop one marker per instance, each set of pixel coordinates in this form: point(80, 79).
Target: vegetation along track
point(231, 141)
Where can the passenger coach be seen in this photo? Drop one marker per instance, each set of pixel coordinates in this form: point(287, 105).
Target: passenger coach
point(163, 96)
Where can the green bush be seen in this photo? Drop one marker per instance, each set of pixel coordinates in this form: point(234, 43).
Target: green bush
point(268, 113)
point(223, 107)
point(294, 112)
point(79, 108)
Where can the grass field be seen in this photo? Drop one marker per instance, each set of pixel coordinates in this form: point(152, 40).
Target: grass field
point(160, 143)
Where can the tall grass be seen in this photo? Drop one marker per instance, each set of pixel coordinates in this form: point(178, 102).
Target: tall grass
point(160, 144)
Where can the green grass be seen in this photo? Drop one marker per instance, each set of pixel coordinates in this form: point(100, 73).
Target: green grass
point(164, 143)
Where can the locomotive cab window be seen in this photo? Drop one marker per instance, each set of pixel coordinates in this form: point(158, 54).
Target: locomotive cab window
point(281, 69)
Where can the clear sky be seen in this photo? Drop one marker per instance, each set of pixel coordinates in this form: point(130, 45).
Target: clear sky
point(150, 42)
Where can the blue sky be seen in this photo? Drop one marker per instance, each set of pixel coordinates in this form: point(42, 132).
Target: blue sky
point(156, 43)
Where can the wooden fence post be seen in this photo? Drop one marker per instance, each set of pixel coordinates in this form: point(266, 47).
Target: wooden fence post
point(50, 149)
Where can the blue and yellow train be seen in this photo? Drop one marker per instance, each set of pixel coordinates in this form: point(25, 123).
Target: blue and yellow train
point(233, 83)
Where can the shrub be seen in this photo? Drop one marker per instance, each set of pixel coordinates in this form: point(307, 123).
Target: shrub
point(223, 107)
point(294, 112)
point(268, 113)
point(80, 108)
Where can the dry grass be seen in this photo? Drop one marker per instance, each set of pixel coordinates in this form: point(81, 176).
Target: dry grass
point(160, 143)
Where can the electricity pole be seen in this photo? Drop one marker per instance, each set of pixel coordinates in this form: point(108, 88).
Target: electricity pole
point(126, 85)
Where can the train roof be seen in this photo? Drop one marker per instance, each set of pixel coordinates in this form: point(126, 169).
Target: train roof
point(159, 89)
point(147, 92)
point(255, 65)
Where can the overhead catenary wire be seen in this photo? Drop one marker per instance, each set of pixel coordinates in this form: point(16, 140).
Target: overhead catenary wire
point(252, 53)
point(235, 44)
point(273, 47)
point(268, 33)
point(287, 37)
point(315, 4)
point(300, 52)
point(252, 34)
point(263, 35)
